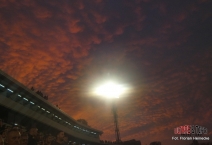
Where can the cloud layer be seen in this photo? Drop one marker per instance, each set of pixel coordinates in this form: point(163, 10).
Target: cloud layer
point(161, 50)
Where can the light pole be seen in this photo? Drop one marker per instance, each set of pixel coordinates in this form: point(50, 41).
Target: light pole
point(115, 115)
point(112, 90)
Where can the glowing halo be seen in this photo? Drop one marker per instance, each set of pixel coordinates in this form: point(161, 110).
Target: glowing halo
point(110, 90)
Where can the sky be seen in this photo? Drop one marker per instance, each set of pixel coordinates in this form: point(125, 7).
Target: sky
point(161, 50)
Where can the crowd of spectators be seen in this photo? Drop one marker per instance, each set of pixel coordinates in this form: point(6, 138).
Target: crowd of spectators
point(19, 135)
point(40, 94)
point(43, 96)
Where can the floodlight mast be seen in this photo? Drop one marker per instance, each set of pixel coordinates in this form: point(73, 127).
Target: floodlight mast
point(113, 91)
point(115, 115)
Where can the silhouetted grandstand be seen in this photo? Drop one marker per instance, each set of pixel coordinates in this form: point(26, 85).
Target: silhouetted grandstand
point(22, 106)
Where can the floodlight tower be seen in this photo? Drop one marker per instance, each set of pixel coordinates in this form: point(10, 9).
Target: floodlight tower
point(112, 90)
point(115, 115)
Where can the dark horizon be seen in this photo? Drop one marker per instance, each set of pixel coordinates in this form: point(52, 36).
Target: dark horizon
point(160, 50)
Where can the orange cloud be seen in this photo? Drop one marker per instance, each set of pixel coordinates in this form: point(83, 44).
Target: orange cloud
point(63, 49)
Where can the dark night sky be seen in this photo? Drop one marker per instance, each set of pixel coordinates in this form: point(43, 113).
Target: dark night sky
point(161, 50)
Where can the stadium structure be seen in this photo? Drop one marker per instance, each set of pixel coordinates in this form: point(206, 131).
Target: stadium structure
point(23, 106)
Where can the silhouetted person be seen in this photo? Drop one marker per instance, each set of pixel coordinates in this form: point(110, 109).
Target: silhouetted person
point(48, 139)
point(59, 138)
point(41, 94)
point(65, 140)
point(24, 138)
point(33, 131)
point(13, 137)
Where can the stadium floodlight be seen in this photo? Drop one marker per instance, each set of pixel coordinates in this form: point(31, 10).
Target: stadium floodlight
point(110, 90)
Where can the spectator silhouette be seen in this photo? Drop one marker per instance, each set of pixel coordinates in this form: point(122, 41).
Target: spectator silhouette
point(24, 138)
point(13, 137)
point(59, 138)
point(33, 131)
point(48, 139)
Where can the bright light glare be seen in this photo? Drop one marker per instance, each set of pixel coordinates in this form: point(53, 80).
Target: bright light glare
point(110, 90)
